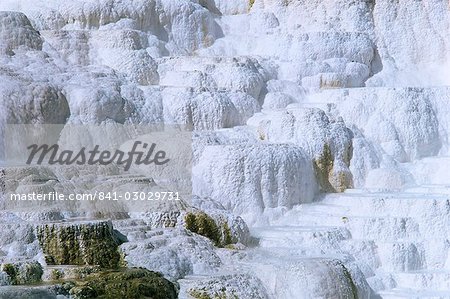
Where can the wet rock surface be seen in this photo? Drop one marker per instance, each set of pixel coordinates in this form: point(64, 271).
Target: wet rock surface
point(320, 147)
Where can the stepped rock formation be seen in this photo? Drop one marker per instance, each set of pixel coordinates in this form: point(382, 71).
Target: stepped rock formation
point(79, 244)
point(320, 147)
